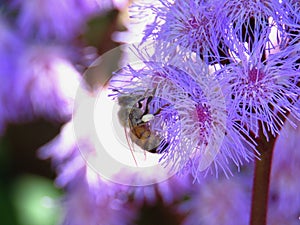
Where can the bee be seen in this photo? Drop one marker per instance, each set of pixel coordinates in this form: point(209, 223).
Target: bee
point(140, 131)
point(137, 124)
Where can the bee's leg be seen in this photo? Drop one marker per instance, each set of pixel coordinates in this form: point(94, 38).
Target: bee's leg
point(130, 145)
point(149, 99)
point(140, 104)
point(145, 156)
point(160, 109)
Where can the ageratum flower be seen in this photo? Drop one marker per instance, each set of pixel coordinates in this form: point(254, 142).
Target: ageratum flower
point(89, 199)
point(169, 191)
point(47, 19)
point(222, 201)
point(288, 20)
point(192, 118)
point(263, 92)
point(45, 74)
point(10, 47)
point(247, 23)
point(56, 20)
point(193, 25)
point(136, 24)
point(284, 203)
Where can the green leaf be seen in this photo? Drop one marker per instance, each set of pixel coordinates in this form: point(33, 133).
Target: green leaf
point(36, 200)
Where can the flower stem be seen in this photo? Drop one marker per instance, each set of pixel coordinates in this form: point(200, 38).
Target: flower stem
point(261, 181)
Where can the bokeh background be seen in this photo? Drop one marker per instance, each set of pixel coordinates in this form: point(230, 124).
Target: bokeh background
point(28, 194)
point(37, 37)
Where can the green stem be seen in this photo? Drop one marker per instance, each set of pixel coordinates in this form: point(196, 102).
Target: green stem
point(261, 181)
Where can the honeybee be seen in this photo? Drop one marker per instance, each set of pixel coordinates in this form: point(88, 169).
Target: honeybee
point(137, 127)
point(140, 131)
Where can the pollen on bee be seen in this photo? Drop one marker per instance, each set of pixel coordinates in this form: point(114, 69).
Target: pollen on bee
point(147, 117)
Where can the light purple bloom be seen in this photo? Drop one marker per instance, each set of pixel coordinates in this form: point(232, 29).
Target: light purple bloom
point(90, 199)
point(38, 80)
point(104, 205)
point(10, 48)
point(263, 91)
point(288, 20)
point(284, 202)
point(193, 120)
point(222, 201)
point(45, 82)
point(193, 25)
point(247, 21)
point(53, 20)
point(93, 199)
point(169, 191)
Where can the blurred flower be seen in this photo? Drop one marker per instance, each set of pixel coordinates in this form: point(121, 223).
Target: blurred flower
point(38, 80)
point(90, 197)
point(45, 83)
point(135, 19)
point(284, 202)
point(10, 48)
point(170, 191)
point(106, 204)
point(219, 202)
point(52, 20)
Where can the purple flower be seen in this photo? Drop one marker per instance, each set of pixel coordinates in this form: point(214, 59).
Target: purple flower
point(45, 82)
point(219, 201)
point(89, 198)
point(55, 20)
point(104, 205)
point(169, 191)
point(284, 202)
point(39, 80)
point(288, 20)
point(192, 117)
point(10, 48)
point(120, 4)
point(193, 25)
point(247, 22)
point(263, 92)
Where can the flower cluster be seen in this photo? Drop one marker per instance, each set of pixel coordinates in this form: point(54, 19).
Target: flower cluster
point(264, 91)
point(41, 56)
point(192, 118)
point(219, 200)
point(90, 198)
point(251, 51)
point(215, 76)
point(190, 24)
point(285, 198)
point(61, 24)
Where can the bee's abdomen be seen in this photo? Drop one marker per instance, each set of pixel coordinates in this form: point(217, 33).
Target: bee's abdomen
point(141, 132)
